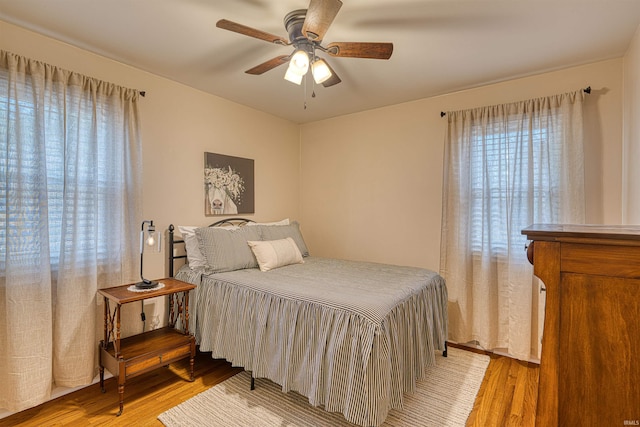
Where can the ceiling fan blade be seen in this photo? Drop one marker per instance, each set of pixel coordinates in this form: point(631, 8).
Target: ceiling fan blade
point(333, 80)
point(269, 65)
point(360, 50)
point(251, 32)
point(320, 15)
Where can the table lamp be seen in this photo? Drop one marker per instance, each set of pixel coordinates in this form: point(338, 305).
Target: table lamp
point(150, 241)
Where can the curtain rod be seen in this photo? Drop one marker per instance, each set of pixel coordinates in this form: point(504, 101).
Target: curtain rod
point(143, 93)
point(586, 90)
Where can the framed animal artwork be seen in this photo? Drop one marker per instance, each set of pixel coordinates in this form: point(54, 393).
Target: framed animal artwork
point(228, 185)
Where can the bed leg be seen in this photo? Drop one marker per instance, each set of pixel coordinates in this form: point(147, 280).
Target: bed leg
point(444, 352)
point(253, 383)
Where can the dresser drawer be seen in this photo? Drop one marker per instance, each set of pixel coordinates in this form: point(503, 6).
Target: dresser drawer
point(601, 260)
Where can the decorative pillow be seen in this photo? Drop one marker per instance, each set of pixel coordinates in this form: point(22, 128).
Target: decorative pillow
point(276, 253)
point(282, 232)
point(227, 250)
point(195, 258)
point(281, 222)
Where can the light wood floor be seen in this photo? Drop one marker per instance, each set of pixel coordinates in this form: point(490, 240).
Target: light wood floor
point(507, 397)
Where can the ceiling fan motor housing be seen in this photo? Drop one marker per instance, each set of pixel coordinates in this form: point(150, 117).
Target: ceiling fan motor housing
point(293, 22)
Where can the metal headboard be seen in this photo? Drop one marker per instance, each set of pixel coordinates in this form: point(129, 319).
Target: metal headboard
point(172, 242)
point(231, 221)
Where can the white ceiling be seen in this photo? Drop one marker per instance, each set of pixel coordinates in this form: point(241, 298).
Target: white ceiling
point(440, 46)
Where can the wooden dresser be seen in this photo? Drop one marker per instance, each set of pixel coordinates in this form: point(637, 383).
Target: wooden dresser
point(590, 363)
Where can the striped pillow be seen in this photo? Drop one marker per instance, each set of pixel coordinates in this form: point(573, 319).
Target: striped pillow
point(227, 250)
point(192, 246)
point(277, 232)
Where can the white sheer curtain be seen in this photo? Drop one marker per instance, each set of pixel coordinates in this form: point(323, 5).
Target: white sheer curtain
point(506, 167)
point(70, 186)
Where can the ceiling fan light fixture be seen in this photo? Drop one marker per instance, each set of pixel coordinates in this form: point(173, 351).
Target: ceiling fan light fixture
point(320, 70)
point(300, 62)
point(298, 67)
point(293, 76)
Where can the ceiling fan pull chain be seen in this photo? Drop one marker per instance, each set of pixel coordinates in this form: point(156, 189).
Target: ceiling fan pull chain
point(313, 81)
point(305, 91)
point(313, 88)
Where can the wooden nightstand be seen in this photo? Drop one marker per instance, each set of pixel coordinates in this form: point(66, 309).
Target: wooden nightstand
point(137, 354)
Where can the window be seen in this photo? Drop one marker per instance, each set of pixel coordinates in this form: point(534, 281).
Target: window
point(503, 182)
point(64, 154)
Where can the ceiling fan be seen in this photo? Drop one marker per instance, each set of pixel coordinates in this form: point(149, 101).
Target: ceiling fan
point(306, 29)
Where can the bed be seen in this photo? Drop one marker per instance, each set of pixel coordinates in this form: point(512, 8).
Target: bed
point(353, 337)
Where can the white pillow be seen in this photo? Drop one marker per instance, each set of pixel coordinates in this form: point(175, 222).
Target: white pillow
point(275, 253)
point(281, 222)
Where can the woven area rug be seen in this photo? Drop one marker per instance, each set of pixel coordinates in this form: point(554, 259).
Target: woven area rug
point(445, 398)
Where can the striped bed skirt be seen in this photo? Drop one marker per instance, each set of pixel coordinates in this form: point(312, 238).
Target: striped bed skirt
point(356, 362)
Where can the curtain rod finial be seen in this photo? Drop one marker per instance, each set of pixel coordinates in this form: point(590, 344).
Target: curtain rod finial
point(442, 114)
point(587, 89)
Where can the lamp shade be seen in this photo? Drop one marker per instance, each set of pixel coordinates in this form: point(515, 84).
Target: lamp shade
point(298, 67)
point(293, 76)
point(150, 240)
point(300, 62)
point(320, 71)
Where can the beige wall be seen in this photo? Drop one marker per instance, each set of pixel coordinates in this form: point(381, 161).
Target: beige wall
point(371, 182)
point(631, 189)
